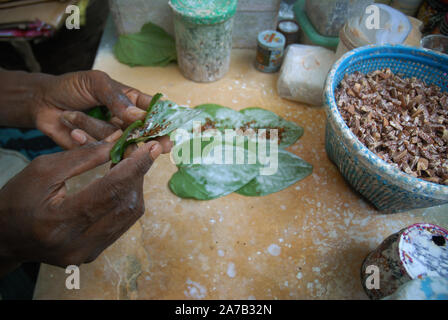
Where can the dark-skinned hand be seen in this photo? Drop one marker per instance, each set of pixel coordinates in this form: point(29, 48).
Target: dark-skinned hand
point(41, 222)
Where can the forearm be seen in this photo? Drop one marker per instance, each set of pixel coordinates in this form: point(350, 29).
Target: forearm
point(19, 92)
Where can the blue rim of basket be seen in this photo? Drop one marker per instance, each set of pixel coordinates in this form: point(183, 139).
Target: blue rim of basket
point(378, 165)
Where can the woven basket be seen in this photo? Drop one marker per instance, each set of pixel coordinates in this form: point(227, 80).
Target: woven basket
point(384, 185)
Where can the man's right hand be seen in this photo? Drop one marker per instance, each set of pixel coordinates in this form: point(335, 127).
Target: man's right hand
point(40, 222)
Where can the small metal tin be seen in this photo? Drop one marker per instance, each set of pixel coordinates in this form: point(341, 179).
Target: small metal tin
point(270, 49)
point(415, 252)
point(290, 29)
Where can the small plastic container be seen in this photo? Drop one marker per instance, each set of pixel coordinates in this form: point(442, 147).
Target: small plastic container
point(203, 32)
point(436, 42)
point(270, 49)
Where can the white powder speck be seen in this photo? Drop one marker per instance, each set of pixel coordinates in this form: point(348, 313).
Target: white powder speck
point(299, 275)
point(280, 240)
point(212, 221)
point(231, 270)
point(195, 290)
point(283, 207)
point(316, 269)
point(220, 253)
point(274, 250)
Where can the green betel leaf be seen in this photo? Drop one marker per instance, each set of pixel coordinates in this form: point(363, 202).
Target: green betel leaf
point(291, 169)
point(212, 178)
point(258, 118)
point(201, 177)
point(222, 117)
point(152, 46)
point(163, 118)
point(208, 182)
point(166, 116)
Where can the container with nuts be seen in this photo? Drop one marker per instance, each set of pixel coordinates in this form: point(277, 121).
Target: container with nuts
point(402, 120)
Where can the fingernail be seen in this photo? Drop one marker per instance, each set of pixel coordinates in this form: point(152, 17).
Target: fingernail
point(136, 112)
point(114, 136)
point(69, 116)
point(155, 151)
point(79, 136)
point(117, 121)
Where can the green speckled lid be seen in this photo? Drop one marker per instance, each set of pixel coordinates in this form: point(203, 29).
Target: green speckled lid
point(204, 11)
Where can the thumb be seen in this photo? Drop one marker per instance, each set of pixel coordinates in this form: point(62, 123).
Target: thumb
point(110, 193)
point(138, 163)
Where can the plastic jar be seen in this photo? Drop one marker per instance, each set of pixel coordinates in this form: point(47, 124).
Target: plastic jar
point(203, 32)
point(328, 16)
point(436, 42)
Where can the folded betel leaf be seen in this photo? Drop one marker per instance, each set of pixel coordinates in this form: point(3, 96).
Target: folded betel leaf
point(152, 46)
point(163, 117)
point(288, 170)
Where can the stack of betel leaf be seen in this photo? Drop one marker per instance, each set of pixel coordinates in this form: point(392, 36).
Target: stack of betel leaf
point(218, 150)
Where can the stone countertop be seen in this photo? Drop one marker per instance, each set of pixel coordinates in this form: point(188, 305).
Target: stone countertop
point(306, 242)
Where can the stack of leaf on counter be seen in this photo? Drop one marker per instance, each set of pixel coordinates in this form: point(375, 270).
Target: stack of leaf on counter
point(199, 177)
point(152, 46)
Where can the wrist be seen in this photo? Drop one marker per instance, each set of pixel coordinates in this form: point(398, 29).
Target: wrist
point(20, 97)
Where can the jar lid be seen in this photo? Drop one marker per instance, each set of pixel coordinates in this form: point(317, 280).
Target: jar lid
point(271, 39)
point(423, 250)
point(204, 11)
point(288, 26)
